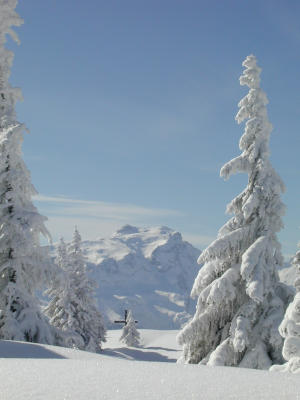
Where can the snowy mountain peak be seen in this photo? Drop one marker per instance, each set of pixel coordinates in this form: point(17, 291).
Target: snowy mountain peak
point(149, 270)
point(126, 230)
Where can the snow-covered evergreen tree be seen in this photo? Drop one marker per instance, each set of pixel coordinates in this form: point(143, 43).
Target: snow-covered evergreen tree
point(23, 263)
point(84, 319)
point(240, 301)
point(290, 328)
point(130, 335)
point(61, 308)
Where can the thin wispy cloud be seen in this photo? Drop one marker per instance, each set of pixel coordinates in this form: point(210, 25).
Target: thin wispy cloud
point(96, 218)
point(99, 209)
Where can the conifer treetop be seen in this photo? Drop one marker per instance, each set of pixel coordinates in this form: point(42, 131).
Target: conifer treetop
point(9, 95)
point(76, 241)
point(254, 142)
point(251, 75)
point(9, 18)
point(61, 258)
point(76, 235)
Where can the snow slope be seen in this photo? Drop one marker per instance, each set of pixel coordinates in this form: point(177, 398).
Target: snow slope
point(288, 274)
point(148, 270)
point(35, 372)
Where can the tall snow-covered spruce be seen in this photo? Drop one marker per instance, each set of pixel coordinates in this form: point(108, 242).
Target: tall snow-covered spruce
point(23, 263)
point(240, 301)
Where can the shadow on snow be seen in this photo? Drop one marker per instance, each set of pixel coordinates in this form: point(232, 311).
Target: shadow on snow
point(162, 348)
point(11, 349)
point(130, 353)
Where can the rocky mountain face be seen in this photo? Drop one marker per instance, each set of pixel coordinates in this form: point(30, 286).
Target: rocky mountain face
point(148, 270)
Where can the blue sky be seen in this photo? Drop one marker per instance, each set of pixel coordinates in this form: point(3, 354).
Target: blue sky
point(131, 105)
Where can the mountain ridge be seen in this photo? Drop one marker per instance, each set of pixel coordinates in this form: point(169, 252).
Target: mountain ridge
point(149, 270)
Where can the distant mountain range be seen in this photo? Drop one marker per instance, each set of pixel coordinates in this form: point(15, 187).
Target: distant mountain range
point(148, 270)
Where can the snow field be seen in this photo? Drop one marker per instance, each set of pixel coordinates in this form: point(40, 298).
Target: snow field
point(55, 373)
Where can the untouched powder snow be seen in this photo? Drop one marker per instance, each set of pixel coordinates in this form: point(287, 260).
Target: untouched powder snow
point(147, 270)
point(121, 373)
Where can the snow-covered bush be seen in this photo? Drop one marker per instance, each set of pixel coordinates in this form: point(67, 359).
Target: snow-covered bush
point(72, 307)
point(24, 265)
point(290, 328)
point(240, 300)
point(130, 335)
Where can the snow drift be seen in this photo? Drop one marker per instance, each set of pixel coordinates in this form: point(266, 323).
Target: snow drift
point(122, 373)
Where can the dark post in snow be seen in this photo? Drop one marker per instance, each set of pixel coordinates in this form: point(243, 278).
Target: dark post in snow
point(125, 319)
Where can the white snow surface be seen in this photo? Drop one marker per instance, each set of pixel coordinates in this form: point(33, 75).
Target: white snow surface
point(35, 372)
point(288, 274)
point(147, 270)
